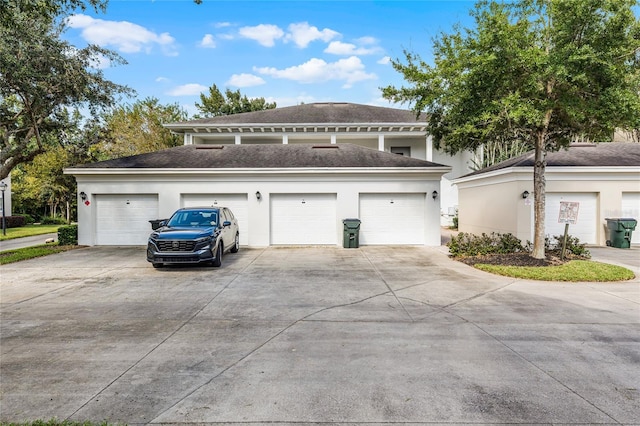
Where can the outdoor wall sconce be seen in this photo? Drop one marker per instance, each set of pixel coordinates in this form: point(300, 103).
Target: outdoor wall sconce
point(434, 194)
point(258, 196)
point(83, 196)
point(525, 194)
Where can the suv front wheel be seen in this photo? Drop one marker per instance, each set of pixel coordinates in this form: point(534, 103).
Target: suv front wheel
point(217, 260)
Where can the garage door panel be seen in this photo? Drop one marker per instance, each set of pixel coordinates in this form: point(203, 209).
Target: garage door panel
point(124, 219)
point(631, 209)
point(586, 226)
point(236, 202)
point(298, 219)
point(392, 218)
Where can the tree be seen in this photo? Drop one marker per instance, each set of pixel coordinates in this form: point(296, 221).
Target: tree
point(541, 72)
point(138, 128)
point(41, 75)
point(232, 102)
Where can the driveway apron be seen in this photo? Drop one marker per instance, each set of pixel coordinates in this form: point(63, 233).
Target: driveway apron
point(304, 335)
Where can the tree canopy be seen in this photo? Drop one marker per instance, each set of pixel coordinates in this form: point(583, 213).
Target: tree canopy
point(42, 75)
point(231, 102)
point(539, 72)
point(138, 128)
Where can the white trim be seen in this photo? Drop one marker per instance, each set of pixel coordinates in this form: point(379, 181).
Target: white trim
point(240, 171)
point(576, 172)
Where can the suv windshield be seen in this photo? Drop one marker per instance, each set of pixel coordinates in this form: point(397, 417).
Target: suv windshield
point(193, 218)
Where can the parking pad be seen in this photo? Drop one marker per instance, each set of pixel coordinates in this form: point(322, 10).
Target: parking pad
point(312, 335)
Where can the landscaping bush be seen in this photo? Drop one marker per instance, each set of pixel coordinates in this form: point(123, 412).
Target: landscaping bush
point(465, 244)
point(553, 245)
point(68, 235)
point(53, 220)
point(28, 219)
point(13, 221)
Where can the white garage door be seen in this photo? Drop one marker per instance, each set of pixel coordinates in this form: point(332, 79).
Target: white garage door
point(236, 202)
point(392, 218)
point(303, 219)
point(123, 220)
point(587, 224)
point(631, 208)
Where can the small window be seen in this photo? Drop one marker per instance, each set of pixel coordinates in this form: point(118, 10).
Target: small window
point(401, 150)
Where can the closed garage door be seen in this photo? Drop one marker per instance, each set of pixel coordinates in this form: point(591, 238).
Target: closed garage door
point(303, 219)
point(236, 202)
point(392, 218)
point(585, 228)
point(123, 220)
point(631, 208)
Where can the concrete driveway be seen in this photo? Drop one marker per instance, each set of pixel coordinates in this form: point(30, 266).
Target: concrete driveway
point(373, 335)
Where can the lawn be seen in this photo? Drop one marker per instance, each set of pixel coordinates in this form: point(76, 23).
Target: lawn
point(11, 256)
point(29, 231)
point(572, 271)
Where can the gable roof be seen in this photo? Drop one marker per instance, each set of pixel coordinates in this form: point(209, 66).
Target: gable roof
point(264, 157)
point(605, 154)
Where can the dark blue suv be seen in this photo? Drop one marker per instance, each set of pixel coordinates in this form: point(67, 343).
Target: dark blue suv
point(194, 235)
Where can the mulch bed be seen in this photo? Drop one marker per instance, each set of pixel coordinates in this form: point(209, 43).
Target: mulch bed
point(517, 259)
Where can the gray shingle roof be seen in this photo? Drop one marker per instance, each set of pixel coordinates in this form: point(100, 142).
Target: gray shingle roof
point(264, 156)
point(604, 154)
point(317, 113)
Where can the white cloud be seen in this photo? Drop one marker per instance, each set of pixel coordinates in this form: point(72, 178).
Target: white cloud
point(348, 49)
point(187, 90)
point(302, 34)
point(264, 34)
point(100, 62)
point(384, 60)
point(124, 36)
point(162, 80)
point(208, 41)
point(222, 24)
point(349, 70)
point(245, 80)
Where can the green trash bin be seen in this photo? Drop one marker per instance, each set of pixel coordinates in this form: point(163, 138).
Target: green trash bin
point(620, 230)
point(351, 233)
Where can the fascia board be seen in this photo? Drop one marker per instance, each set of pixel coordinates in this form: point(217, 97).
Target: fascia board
point(552, 173)
point(375, 127)
point(263, 171)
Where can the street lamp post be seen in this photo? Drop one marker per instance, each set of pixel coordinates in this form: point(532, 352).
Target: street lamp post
point(3, 187)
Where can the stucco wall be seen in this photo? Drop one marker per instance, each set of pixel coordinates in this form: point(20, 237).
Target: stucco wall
point(346, 186)
point(494, 203)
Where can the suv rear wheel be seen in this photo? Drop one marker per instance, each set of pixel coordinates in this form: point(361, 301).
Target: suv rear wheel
point(236, 244)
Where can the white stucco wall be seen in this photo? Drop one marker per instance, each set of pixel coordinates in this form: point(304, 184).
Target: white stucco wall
point(7, 197)
point(346, 184)
point(493, 202)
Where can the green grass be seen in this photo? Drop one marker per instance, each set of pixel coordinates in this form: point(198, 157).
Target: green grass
point(11, 256)
point(573, 271)
point(28, 231)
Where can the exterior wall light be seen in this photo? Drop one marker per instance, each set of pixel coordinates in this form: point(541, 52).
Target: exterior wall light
point(525, 194)
point(434, 194)
point(83, 196)
point(258, 195)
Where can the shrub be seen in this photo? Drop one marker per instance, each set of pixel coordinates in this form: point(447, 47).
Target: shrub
point(68, 235)
point(28, 219)
point(553, 245)
point(53, 220)
point(473, 245)
point(13, 221)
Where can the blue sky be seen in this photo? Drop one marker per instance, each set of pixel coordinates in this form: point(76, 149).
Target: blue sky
point(285, 51)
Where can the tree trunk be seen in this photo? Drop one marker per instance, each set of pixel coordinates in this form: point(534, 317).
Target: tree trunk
point(539, 197)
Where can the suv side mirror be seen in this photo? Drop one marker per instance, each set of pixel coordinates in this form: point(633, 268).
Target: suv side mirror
point(226, 223)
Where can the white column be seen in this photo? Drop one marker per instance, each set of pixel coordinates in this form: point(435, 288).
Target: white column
point(188, 140)
point(333, 139)
point(285, 139)
point(429, 148)
point(238, 139)
point(380, 142)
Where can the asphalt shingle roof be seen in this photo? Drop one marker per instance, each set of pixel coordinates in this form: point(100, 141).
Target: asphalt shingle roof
point(316, 113)
point(264, 156)
point(604, 154)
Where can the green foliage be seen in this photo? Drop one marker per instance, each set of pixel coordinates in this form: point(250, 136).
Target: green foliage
point(138, 128)
point(11, 256)
point(573, 271)
point(28, 219)
point(553, 244)
point(42, 75)
point(231, 102)
point(14, 221)
point(465, 244)
point(55, 220)
point(68, 235)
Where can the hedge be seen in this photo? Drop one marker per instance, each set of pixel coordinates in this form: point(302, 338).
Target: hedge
point(68, 235)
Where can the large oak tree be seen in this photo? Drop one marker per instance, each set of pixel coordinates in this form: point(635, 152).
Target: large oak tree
point(542, 72)
point(230, 102)
point(41, 75)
